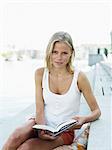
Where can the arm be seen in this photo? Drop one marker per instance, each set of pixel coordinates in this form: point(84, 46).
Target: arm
point(40, 118)
point(39, 97)
point(85, 88)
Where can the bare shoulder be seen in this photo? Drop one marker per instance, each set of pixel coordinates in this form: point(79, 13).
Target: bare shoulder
point(39, 73)
point(83, 81)
point(82, 77)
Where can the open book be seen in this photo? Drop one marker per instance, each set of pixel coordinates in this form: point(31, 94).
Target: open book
point(59, 129)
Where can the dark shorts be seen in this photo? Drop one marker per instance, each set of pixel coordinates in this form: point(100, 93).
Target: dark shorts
point(68, 137)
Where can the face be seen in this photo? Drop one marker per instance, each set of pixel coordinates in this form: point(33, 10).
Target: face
point(60, 55)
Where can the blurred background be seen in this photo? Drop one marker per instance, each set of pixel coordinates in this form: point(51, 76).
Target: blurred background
point(25, 29)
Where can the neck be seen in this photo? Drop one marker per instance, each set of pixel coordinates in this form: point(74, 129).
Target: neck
point(59, 72)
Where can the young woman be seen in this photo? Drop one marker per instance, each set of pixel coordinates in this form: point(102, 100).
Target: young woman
point(58, 91)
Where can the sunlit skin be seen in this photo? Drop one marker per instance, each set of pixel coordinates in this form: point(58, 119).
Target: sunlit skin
point(60, 55)
point(59, 76)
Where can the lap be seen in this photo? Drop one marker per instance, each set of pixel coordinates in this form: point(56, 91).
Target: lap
point(33, 142)
point(28, 140)
point(37, 144)
point(22, 133)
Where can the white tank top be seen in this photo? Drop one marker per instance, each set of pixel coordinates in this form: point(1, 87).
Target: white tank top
point(59, 108)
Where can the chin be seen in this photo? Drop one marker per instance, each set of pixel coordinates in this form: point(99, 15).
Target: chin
point(59, 66)
point(56, 65)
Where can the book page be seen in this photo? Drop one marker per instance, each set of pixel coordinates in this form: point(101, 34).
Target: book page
point(44, 127)
point(60, 128)
point(66, 124)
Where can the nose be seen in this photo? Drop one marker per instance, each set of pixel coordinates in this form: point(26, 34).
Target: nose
point(59, 56)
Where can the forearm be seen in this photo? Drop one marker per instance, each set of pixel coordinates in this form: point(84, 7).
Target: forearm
point(93, 116)
point(40, 118)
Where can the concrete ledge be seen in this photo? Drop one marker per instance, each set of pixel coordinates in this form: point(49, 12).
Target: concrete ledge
point(100, 136)
point(100, 130)
point(13, 122)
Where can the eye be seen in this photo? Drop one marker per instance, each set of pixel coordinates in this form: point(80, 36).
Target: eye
point(54, 52)
point(65, 53)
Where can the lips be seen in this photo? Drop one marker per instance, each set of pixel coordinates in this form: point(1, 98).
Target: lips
point(59, 62)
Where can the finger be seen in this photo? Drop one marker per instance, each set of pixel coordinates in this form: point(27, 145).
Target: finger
point(76, 117)
point(42, 132)
point(49, 137)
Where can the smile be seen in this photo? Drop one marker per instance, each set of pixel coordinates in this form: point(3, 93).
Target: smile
point(59, 62)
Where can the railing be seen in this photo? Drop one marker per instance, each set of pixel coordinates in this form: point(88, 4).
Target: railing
point(107, 67)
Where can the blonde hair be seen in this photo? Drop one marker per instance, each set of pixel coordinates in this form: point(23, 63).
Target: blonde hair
point(60, 37)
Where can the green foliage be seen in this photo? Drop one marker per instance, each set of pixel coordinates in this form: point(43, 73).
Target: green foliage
point(6, 54)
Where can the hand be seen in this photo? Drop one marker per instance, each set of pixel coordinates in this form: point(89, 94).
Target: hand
point(81, 121)
point(45, 135)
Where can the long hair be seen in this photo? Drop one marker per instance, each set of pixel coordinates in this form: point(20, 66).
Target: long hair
point(60, 37)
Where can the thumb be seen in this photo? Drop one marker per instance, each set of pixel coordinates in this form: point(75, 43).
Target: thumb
point(76, 117)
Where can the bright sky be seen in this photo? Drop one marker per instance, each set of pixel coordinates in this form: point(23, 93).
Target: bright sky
point(30, 23)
